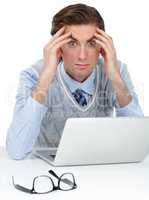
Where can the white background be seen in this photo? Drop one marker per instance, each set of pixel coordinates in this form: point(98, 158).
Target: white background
point(25, 29)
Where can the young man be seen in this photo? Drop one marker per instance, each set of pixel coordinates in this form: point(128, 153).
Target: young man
point(79, 76)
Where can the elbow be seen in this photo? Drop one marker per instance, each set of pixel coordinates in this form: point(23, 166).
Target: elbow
point(16, 147)
point(16, 156)
point(14, 152)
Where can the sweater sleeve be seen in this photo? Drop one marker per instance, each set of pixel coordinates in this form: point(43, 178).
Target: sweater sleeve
point(27, 117)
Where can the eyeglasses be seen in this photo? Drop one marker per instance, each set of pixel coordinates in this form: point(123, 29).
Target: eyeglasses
point(44, 184)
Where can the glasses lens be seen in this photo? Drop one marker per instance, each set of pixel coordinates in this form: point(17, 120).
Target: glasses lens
point(43, 184)
point(66, 182)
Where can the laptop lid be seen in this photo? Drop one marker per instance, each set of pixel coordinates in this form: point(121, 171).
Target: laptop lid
point(103, 140)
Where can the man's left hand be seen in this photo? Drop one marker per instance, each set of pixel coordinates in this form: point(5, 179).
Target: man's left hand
point(108, 52)
point(111, 67)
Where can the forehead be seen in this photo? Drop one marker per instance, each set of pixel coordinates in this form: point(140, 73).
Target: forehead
point(81, 32)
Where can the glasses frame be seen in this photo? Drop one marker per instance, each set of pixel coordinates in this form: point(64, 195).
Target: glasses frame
point(33, 191)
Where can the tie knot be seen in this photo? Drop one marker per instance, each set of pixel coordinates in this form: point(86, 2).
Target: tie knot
point(79, 96)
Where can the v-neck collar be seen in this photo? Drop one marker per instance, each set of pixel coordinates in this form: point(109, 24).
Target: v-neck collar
point(70, 96)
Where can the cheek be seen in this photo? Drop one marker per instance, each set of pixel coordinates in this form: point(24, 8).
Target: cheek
point(98, 50)
point(69, 55)
point(94, 54)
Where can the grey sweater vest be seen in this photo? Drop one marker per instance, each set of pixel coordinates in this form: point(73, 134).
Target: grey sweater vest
point(62, 105)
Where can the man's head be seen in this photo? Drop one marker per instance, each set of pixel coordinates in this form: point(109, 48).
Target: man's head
point(81, 54)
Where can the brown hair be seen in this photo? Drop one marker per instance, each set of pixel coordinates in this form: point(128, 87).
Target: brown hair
point(76, 14)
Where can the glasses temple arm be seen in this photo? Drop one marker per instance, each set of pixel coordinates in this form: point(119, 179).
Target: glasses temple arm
point(19, 187)
point(54, 174)
point(67, 181)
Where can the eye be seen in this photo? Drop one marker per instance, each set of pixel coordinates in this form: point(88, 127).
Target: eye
point(92, 43)
point(72, 43)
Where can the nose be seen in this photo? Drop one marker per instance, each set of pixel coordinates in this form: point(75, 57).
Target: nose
point(82, 53)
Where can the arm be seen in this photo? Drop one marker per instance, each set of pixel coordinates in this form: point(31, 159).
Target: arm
point(126, 100)
point(30, 101)
point(132, 108)
point(27, 117)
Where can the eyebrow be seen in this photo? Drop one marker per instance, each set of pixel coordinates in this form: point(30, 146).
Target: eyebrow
point(93, 37)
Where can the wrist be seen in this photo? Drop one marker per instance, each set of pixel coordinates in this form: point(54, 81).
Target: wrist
point(39, 94)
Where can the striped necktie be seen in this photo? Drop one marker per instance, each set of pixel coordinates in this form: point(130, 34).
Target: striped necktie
point(80, 98)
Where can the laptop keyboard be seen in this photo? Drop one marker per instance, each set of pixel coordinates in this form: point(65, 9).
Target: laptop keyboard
point(53, 156)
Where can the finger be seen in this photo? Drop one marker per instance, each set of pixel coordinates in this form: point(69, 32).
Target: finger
point(104, 34)
point(60, 44)
point(104, 40)
point(51, 44)
point(104, 47)
point(58, 33)
point(67, 35)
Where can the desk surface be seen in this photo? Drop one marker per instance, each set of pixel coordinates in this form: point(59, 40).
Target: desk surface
point(105, 182)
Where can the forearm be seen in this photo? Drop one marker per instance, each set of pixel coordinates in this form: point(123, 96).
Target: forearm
point(40, 90)
point(24, 129)
point(125, 98)
point(123, 95)
point(133, 109)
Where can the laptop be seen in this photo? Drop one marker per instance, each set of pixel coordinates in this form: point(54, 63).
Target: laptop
point(88, 141)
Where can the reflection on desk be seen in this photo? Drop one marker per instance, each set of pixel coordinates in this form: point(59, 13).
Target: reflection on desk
point(105, 182)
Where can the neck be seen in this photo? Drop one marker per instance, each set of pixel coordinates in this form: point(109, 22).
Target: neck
point(79, 79)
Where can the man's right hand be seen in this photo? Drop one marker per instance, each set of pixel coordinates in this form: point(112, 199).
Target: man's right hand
point(52, 55)
point(52, 51)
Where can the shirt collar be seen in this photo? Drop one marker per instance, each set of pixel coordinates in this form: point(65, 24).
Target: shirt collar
point(88, 85)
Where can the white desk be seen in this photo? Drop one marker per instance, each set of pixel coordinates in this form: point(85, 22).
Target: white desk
point(103, 182)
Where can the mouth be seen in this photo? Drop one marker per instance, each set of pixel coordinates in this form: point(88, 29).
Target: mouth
point(82, 66)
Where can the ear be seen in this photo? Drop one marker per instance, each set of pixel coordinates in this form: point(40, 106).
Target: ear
point(61, 50)
point(99, 52)
point(59, 54)
point(102, 52)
